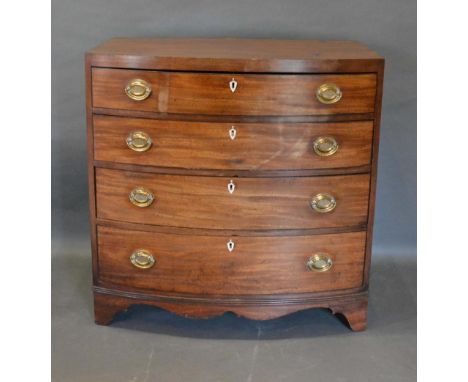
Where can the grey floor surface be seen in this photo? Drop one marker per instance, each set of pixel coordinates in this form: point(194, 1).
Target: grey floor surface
point(148, 344)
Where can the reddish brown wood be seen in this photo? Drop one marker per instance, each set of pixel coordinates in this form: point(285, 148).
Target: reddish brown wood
point(373, 178)
point(234, 173)
point(224, 232)
point(276, 146)
point(235, 118)
point(197, 93)
point(354, 312)
point(352, 307)
point(256, 203)
point(257, 265)
point(261, 110)
point(106, 306)
point(90, 164)
point(237, 55)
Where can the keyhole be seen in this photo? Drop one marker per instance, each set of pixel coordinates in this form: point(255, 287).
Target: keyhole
point(230, 245)
point(233, 85)
point(231, 187)
point(232, 133)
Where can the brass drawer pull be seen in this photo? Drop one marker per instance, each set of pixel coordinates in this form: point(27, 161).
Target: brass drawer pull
point(138, 90)
point(142, 259)
point(328, 93)
point(141, 197)
point(325, 146)
point(320, 262)
point(323, 203)
point(139, 141)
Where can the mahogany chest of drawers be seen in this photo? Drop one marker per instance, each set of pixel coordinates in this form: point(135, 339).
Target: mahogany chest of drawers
point(232, 175)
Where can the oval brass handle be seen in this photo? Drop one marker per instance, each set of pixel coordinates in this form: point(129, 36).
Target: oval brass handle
point(320, 262)
point(328, 93)
point(142, 258)
point(138, 90)
point(141, 197)
point(323, 203)
point(325, 146)
point(139, 141)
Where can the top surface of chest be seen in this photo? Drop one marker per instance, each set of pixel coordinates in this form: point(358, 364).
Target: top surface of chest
point(238, 55)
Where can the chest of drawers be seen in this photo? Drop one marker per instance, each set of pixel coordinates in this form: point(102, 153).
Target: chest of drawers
point(232, 175)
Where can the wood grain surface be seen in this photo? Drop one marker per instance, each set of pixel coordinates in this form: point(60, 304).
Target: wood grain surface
point(277, 116)
point(236, 55)
point(256, 146)
point(203, 264)
point(234, 118)
point(256, 203)
point(201, 93)
point(107, 302)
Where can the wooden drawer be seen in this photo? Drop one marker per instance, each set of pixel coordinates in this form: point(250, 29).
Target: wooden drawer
point(255, 94)
point(255, 203)
point(239, 146)
point(219, 187)
point(256, 265)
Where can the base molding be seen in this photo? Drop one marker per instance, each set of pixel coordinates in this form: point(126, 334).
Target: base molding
point(353, 307)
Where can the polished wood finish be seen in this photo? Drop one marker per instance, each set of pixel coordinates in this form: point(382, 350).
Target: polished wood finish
point(235, 118)
point(234, 173)
point(108, 302)
point(228, 232)
point(283, 146)
point(256, 203)
point(277, 117)
point(91, 168)
point(257, 265)
point(373, 183)
point(198, 93)
point(236, 55)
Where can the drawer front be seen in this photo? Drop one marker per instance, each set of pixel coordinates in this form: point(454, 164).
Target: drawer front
point(254, 94)
point(239, 146)
point(224, 203)
point(256, 265)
